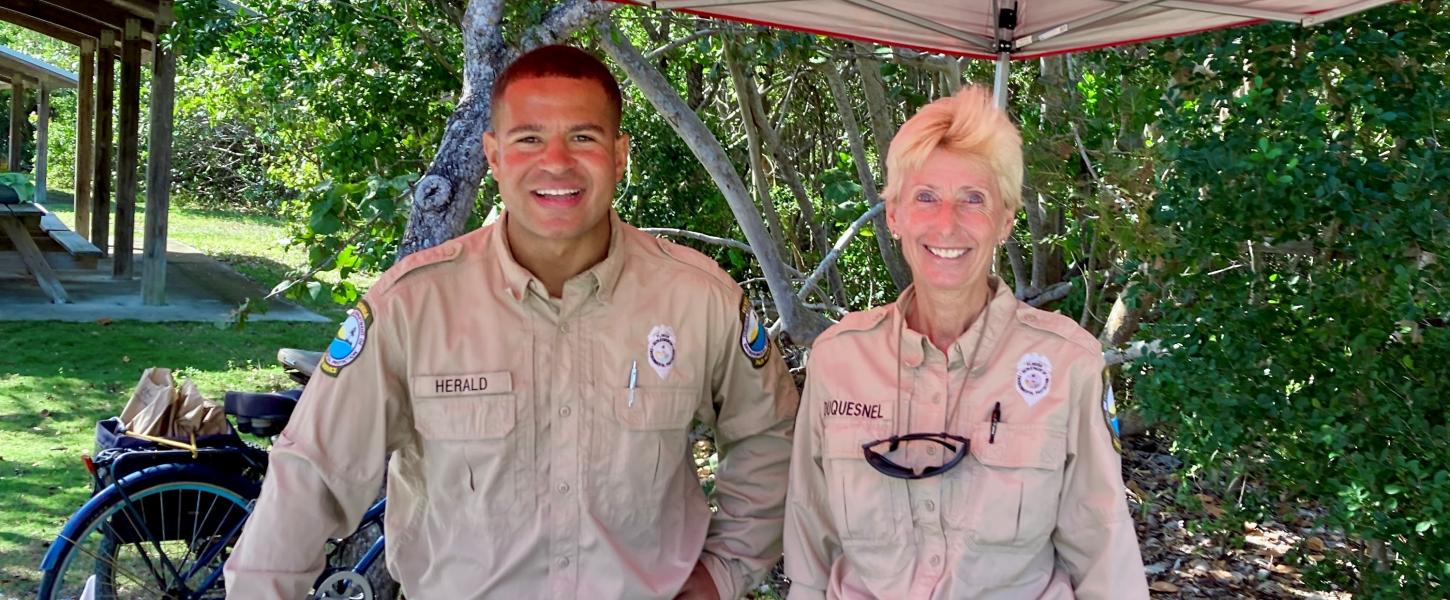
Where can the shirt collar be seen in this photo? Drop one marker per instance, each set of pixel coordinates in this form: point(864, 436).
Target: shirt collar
point(998, 314)
point(603, 276)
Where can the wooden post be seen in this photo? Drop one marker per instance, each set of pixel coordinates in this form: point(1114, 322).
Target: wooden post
point(158, 175)
point(123, 265)
point(105, 100)
point(42, 139)
point(17, 123)
point(85, 115)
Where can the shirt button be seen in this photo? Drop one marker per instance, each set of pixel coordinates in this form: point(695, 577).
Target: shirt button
point(564, 412)
point(931, 450)
point(930, 506)
point(563, 562)
point(935, 561)
point(563, 488)
point(564, 328)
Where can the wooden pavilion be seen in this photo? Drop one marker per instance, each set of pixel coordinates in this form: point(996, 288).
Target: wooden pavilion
point(106, 32)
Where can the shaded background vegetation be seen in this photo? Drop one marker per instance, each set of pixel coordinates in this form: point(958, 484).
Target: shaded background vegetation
point(1267, 206)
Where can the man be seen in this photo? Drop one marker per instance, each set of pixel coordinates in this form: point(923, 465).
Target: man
point(535, 381)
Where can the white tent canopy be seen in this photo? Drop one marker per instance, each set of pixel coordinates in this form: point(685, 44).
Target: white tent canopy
point(1005, 30)
point(1028, 28)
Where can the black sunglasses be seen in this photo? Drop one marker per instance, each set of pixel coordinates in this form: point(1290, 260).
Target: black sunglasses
point(890, 468)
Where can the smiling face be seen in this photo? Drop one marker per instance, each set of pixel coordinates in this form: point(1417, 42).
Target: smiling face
point(950, 218)
point(556, 152)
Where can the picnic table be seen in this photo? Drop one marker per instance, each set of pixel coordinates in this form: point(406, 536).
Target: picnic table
point(43, 244)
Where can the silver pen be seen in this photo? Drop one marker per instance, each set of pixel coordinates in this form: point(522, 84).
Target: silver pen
point(633, 380)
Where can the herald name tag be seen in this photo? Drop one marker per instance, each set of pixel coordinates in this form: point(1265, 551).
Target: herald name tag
point(433, 386)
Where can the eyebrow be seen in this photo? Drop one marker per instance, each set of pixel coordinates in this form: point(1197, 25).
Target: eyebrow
point(536, 128)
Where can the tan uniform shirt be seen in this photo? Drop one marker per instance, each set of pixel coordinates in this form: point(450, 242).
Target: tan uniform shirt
point(1036, 511)
point(525, 465)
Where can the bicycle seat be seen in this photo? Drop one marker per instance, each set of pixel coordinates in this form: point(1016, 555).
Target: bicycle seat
point(300, 360)
point(262, 413)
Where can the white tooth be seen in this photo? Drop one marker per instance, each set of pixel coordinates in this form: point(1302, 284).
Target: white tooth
point(556, 192)
point(947, 252)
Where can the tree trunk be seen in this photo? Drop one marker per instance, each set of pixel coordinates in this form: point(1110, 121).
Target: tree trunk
point(890, 254)
point(744, 87)
point(802, 324)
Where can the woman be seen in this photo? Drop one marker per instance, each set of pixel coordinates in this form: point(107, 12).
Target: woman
point(955, 443)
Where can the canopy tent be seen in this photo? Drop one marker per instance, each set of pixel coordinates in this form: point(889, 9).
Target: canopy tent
point(1003, 31)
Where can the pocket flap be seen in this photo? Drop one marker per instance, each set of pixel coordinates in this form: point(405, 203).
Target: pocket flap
point(477, 417)
point(655, 409)
point(1020, 446)
point(846, 442)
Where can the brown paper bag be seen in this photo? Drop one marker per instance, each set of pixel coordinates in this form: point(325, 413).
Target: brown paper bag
point(158, 408)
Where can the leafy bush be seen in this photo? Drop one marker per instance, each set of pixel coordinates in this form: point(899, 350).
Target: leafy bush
point(1303, 220)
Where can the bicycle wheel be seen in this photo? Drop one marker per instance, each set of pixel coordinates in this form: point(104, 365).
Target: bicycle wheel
point(162, 532)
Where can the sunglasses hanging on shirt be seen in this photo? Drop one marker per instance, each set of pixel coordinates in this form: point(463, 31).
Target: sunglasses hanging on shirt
point(957, 445)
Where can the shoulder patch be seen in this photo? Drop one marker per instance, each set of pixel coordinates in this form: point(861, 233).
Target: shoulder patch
point(753, 339)
point(1110, 412)
point(351, 337)
point(1058, 325)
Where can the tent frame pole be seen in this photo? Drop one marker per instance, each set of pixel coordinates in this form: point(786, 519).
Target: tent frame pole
point(999, 81)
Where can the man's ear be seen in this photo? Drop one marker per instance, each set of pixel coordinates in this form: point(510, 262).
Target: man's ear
point(490, 149)
point(621, 156)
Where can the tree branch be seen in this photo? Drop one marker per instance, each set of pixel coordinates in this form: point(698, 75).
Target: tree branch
point(835, 253)
point(804, 325)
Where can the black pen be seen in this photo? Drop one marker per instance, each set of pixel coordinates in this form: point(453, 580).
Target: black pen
point(996, 417)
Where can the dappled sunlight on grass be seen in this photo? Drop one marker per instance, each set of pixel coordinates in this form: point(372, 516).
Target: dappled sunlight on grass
point(58, 379)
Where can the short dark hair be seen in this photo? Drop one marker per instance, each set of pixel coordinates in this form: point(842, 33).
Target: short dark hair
point(560, 61)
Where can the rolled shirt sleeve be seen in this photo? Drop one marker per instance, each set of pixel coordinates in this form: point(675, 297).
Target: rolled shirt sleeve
point(1095, 540)
point(755, 400)
point(326, 467)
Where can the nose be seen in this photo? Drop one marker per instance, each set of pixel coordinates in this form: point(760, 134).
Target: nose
point(557, 156)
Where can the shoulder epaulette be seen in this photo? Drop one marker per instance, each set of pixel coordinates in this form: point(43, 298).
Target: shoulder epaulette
point(865, 320)
point(1058, 325)
point(417, 261)
point(695, 259)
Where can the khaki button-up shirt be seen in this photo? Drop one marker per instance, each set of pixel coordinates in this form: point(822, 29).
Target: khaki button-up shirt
point(1035, 510)
point(540, 447)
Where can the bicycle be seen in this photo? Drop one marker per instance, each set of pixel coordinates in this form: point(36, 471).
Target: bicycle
point(164, 515)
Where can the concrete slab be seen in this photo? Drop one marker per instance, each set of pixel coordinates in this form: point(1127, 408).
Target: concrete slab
point(198, 288)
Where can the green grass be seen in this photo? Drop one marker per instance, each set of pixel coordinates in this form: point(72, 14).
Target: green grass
point(252, 244)
point(58, 379)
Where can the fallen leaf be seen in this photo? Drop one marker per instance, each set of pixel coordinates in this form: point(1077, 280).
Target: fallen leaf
point(1157, 567)
point(1314, 544)
point(1163, 586)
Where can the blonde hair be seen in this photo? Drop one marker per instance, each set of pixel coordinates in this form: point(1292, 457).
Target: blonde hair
point(967, 123)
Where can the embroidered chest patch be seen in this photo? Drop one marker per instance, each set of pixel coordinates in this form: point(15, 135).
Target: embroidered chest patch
point(1034, 377)
point(662, 350)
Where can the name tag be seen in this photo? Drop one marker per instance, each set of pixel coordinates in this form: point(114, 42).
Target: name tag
point(433, 386)
point(847, 408)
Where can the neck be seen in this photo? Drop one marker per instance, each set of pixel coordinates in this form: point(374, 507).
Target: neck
point(943, 316)
point(554, 262)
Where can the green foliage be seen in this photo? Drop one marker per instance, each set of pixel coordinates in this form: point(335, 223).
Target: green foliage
point(1322, 371)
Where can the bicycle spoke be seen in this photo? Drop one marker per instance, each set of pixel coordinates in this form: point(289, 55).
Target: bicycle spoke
point(115, 566)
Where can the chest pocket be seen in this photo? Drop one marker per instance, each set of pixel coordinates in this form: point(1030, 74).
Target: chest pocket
point(865, 505)
point(465, 422)
point(463, 407)
point(1008, 491)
